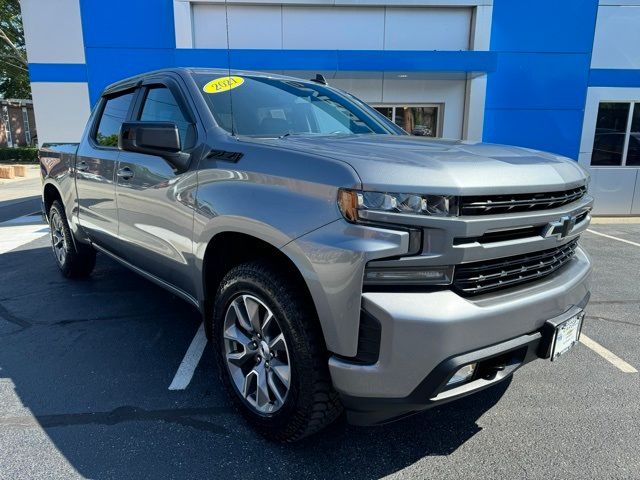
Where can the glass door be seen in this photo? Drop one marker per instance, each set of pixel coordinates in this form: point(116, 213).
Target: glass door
point(420, 120)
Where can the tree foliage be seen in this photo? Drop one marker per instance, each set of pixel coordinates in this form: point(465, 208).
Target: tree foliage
point(14, 76)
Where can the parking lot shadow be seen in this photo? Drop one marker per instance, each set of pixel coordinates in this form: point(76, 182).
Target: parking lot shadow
point(91, 362)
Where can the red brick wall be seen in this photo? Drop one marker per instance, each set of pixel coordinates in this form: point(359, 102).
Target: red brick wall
point(18, 134)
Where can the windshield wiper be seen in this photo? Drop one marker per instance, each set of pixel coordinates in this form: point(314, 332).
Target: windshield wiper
point(317, 134)
point(291, 134)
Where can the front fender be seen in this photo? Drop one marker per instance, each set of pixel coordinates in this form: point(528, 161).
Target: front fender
point(273, 195)
point(271, 209)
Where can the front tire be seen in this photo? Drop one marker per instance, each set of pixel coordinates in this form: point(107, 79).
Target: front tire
point(270, 352)
point(75, 260)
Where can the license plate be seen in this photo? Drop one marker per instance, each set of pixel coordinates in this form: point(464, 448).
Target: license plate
point(566, 335)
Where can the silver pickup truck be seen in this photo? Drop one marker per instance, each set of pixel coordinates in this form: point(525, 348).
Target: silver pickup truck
point(338, 262)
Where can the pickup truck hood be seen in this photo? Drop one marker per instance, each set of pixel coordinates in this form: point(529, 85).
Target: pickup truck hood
point(422, 165)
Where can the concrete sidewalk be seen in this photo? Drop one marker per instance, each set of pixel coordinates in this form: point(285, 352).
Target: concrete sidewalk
point(615, 220)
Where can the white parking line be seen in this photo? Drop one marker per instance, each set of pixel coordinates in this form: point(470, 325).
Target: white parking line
point(20, 231)
point(32, 219)
point(190, 361)
point(613, 238)
point(607, 355)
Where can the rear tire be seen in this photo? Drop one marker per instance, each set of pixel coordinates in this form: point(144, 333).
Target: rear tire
point(261, 312)
point(74, 259)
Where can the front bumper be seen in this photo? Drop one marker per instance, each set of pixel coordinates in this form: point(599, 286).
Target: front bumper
point(425, 335)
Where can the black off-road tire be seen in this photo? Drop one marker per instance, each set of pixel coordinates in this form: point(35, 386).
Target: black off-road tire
point(311, 403)
point(76, 260)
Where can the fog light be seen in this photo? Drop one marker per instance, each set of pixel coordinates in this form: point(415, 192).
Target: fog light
point(463, 375)
point(408, 276)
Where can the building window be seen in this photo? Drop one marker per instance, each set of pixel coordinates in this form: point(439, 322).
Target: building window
point(421, 120)
point(25, 123)
point(7, 125)
point(617, 139)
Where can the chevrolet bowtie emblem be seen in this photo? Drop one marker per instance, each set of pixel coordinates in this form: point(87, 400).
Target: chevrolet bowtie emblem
point(560, 228)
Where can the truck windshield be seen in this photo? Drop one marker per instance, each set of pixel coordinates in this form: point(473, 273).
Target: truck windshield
point(271, 107)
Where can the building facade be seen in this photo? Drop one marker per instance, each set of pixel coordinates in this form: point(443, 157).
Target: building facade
point(561, 76)
point(17, 123)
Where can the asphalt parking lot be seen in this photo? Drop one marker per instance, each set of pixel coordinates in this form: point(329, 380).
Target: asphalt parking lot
point(85, 370)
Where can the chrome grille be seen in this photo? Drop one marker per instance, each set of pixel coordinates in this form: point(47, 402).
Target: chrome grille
point(495, 204)
point(481, 277)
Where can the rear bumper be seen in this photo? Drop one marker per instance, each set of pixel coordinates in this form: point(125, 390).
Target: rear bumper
point(426, 335)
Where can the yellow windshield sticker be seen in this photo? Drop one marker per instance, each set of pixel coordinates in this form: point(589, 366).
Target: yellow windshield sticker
point(223, 84)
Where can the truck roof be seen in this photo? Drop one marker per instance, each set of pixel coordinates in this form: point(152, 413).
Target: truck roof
point(130, 82)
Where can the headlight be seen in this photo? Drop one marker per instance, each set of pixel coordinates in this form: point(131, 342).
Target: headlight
point(352, 203)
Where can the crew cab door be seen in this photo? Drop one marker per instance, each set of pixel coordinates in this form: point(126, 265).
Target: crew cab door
point(155, 202)
point(96, 164)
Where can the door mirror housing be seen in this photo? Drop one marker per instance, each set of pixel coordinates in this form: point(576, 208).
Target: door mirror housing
point(154, 138)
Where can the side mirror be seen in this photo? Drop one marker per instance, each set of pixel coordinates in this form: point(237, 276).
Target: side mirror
point(154, 138)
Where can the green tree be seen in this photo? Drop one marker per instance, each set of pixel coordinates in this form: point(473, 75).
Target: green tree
point(14, 75)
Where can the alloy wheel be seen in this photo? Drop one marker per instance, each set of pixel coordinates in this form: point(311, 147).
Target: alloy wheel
point(58, 241)
point(256, 354)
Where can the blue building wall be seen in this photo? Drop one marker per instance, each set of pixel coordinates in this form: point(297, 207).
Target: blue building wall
point(536, 96)
point(125, 38)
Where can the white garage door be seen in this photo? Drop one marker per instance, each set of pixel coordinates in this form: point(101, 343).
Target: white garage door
point(331, 28)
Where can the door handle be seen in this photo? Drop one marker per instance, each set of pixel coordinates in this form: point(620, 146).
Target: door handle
point(125, 173)
point(82, 166)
